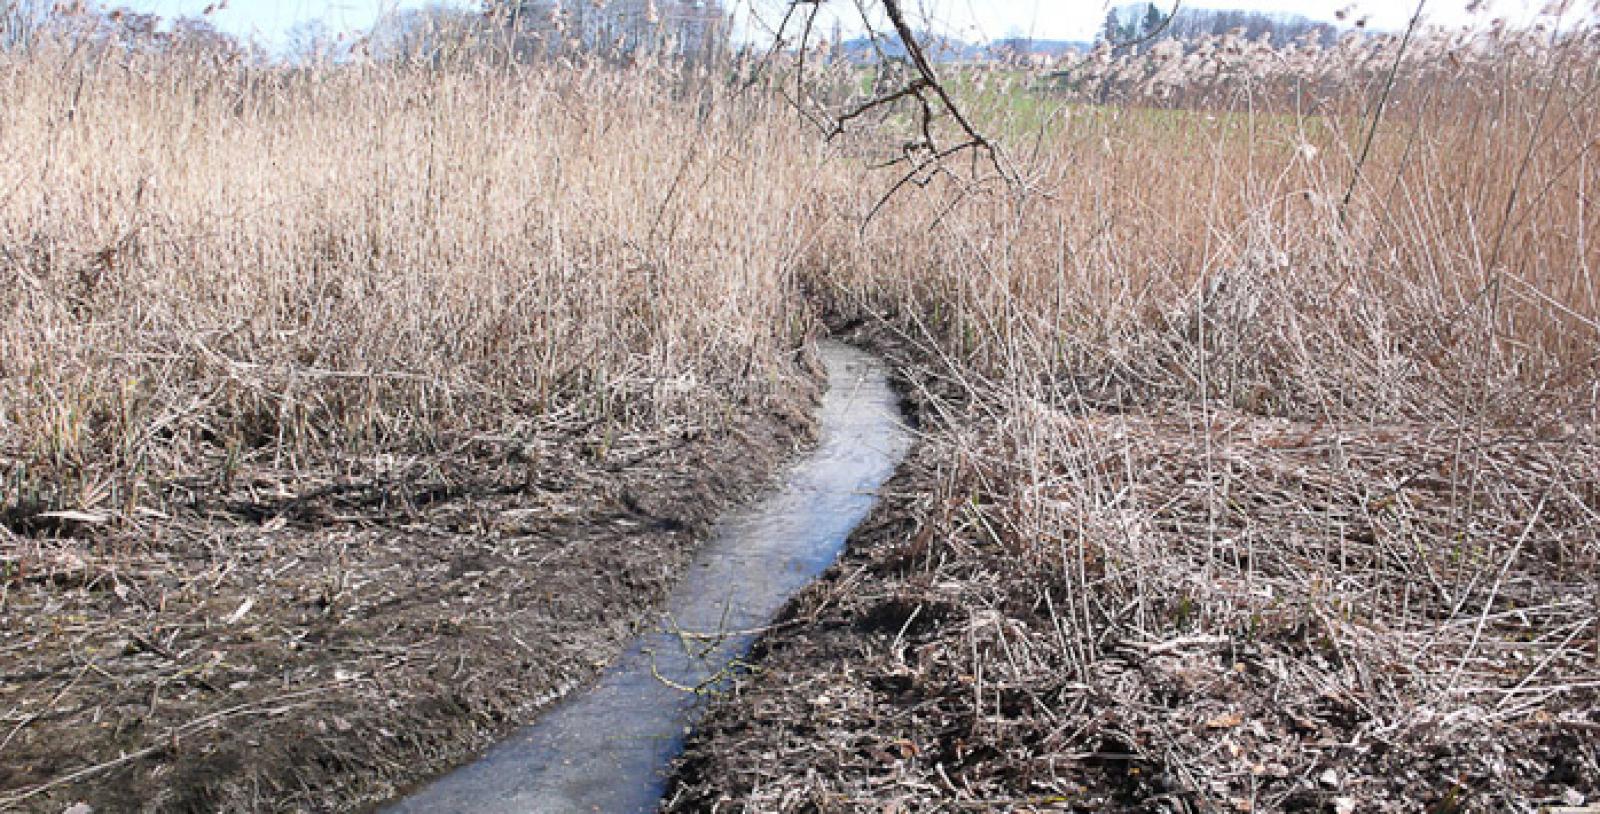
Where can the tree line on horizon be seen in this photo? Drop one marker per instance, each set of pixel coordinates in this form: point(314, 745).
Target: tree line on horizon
point(523, 30)
point(519, 30)
point(1138, 26)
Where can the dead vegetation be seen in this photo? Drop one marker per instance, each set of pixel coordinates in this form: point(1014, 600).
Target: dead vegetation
point(1244, 491)
point(323, 650)
point(1259, 470)
point(1258, 617)
point(348, 416)
point(207, 269)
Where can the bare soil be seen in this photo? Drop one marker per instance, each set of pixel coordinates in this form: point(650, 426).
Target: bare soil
point(319, 642)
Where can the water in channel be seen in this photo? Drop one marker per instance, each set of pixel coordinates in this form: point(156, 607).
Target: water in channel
point(605, 749)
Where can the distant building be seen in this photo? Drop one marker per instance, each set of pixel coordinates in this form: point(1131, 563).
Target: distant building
point(1025, 51)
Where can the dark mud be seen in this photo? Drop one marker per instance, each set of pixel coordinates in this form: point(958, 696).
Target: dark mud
point(605, 749)
point(305, 643)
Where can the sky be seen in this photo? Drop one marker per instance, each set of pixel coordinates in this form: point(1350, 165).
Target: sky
point(269, 21)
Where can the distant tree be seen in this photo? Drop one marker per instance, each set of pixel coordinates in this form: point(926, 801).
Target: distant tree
point(1111, 29)
point(1191, 24)
point(126, 28)
point(1152, 27)
point(434, 35)
point(198, 37)
point(1154, 19)
point(694, 30)
point(310, 41)
point(131, 32)
point(1121, 28)
point(21, 22)
point(1128, 23)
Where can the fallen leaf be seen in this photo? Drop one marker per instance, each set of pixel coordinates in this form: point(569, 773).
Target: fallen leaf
point(1227, 720)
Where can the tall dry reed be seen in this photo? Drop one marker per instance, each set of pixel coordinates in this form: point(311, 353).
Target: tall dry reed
point(1221, 375)
point(207, 266)
point(1247, 427)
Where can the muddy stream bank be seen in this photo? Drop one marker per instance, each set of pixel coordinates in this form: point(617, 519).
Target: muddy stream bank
point(606, 748)
point(325, 637)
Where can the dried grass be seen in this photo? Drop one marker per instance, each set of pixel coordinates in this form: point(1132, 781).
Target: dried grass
point(204, 269)
point(1190, 409)
point(1238, 485)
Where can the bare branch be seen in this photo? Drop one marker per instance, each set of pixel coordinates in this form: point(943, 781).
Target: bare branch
point(910, 90)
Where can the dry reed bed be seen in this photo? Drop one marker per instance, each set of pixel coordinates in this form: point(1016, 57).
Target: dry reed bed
point(350, 416)
point(1234, 500)
point(1211, 70)
point(205, 269)
point(1190, 411)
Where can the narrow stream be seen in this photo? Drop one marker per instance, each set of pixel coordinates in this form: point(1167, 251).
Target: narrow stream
point(605, 748)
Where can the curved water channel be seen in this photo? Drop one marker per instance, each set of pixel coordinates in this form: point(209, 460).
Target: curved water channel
point(605, 749)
